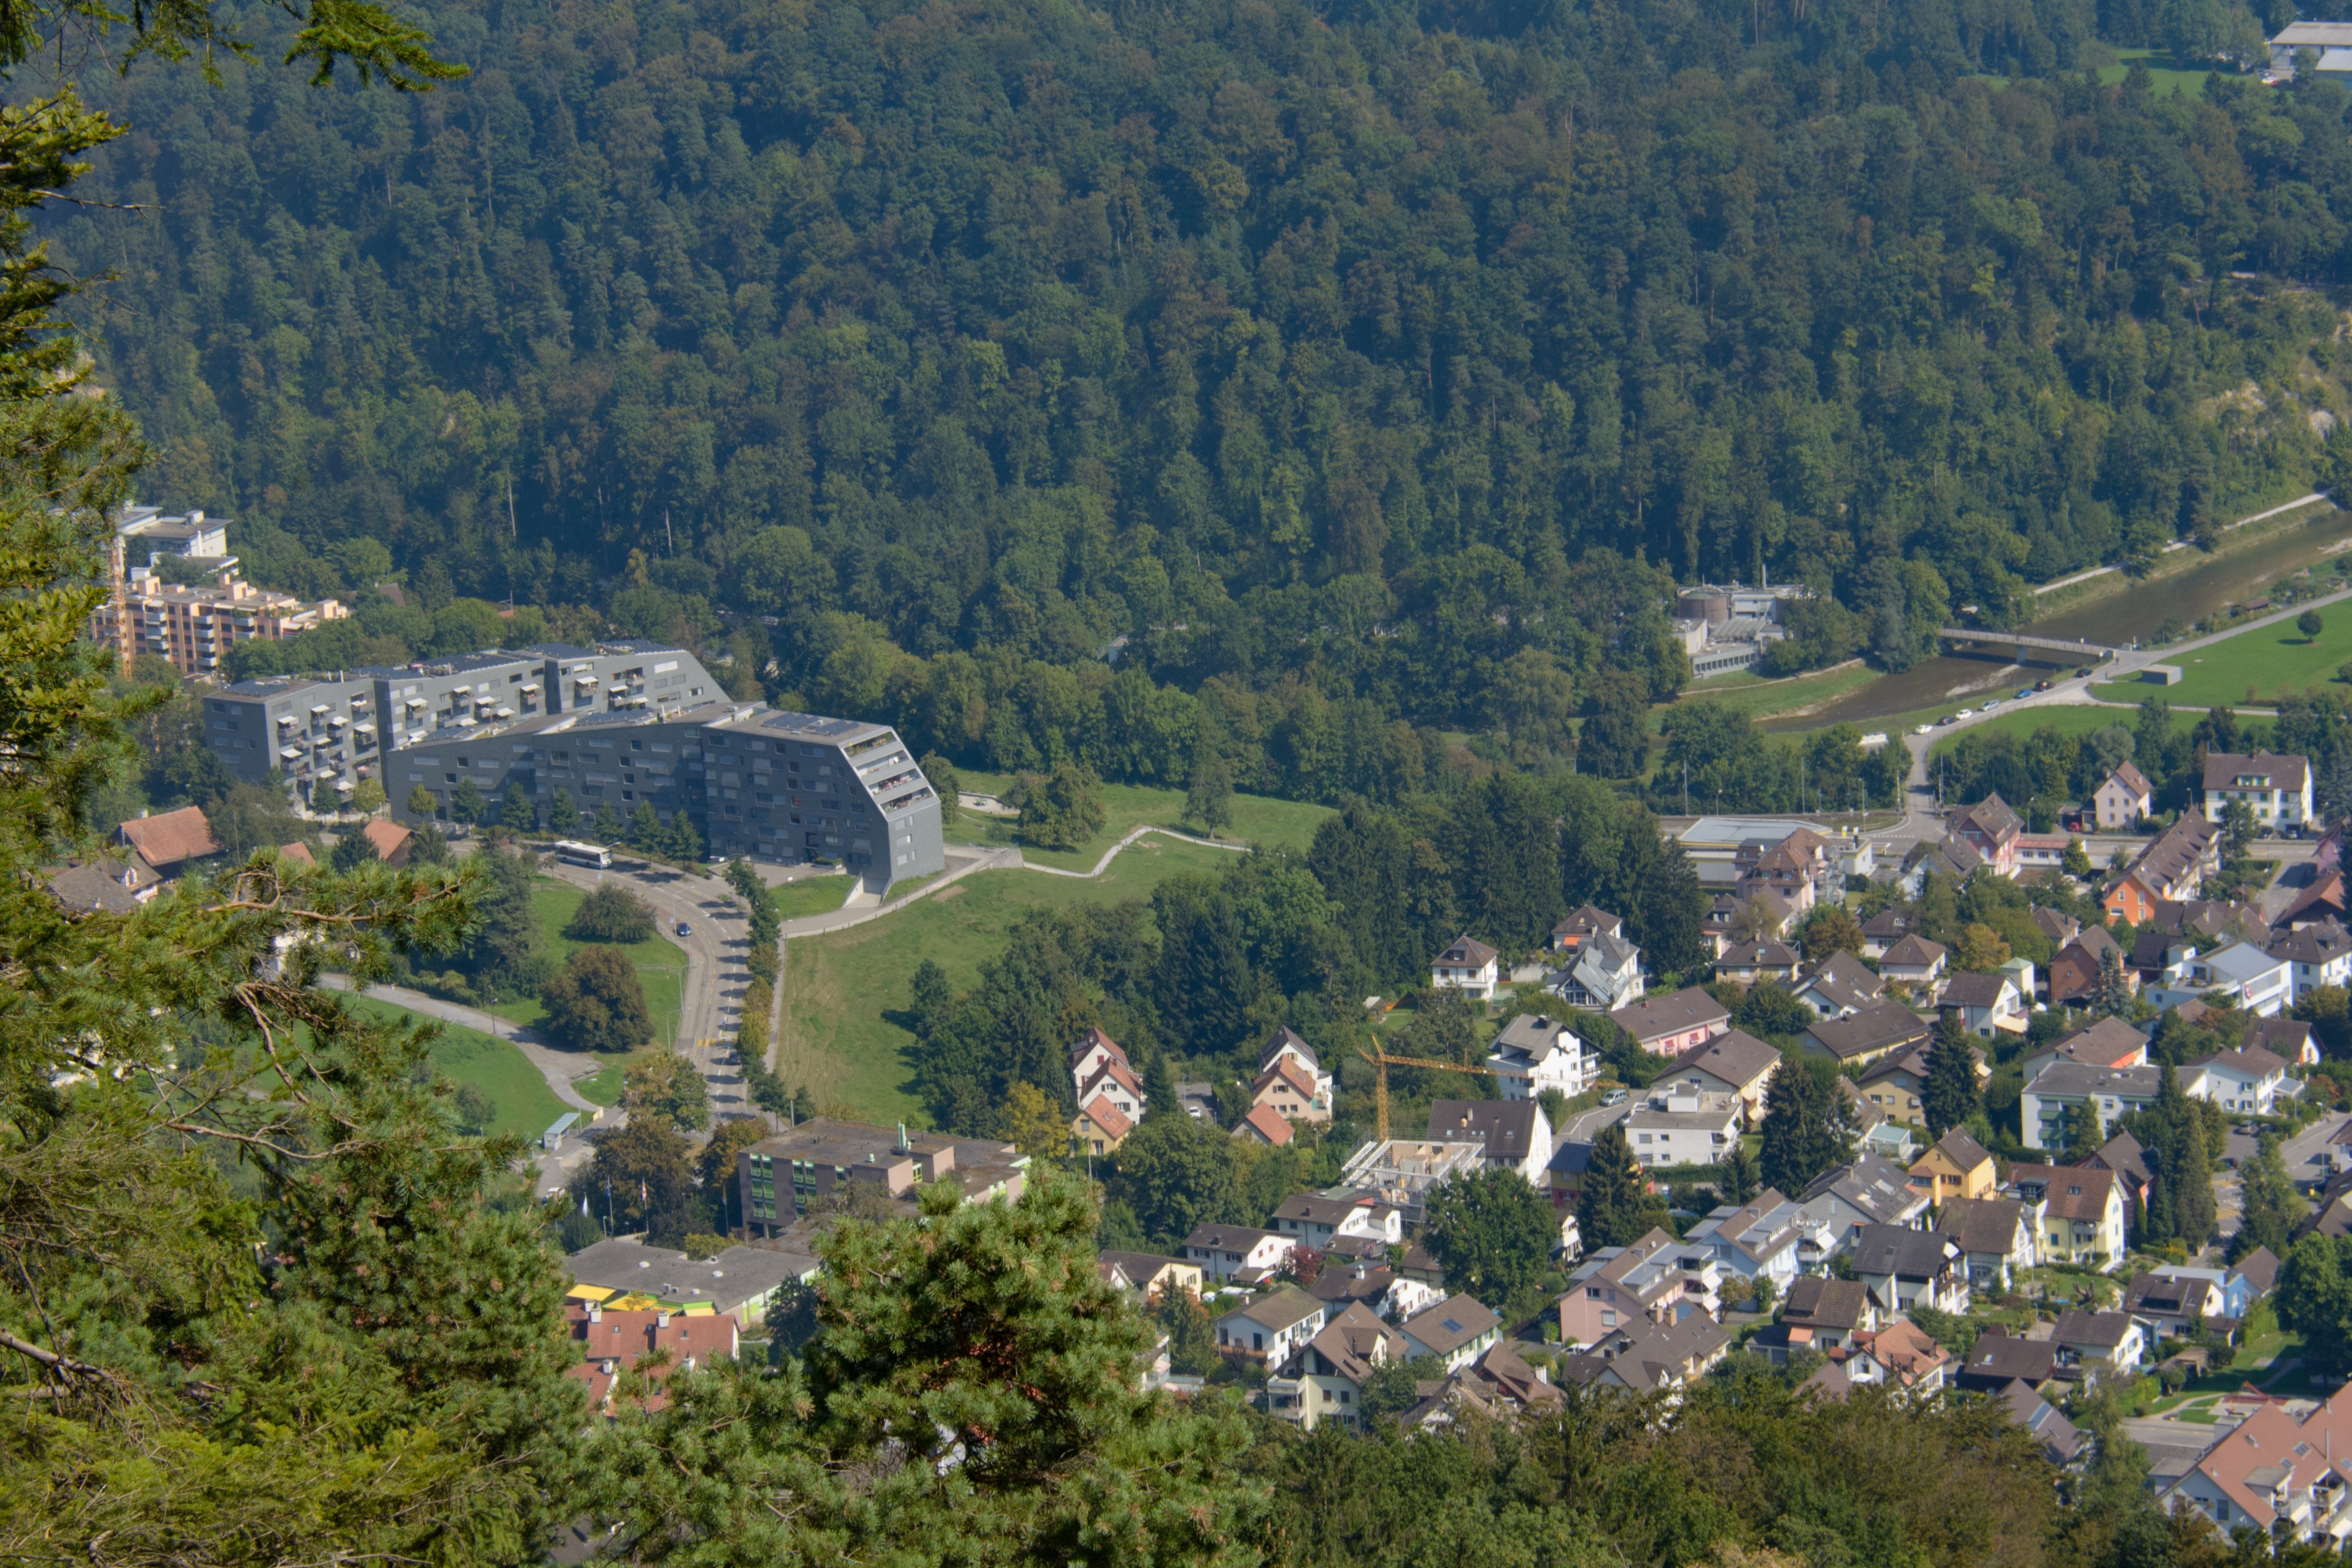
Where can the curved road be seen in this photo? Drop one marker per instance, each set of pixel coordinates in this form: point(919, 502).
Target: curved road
point(558, 1067)
point(715, 945)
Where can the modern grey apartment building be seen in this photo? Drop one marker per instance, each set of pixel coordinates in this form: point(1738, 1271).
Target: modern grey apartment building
point(623, 724)
point(304, 726)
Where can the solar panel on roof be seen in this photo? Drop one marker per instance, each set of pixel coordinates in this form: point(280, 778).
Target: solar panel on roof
point(1450, 1323)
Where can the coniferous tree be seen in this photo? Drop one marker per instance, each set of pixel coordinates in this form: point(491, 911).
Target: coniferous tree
point(465, 803)
point(1742, 1176)
point(421, 803)
point(646, 828)
point(1808, 1126)
point(2084, 1134)
point(683, 843)
point(1950, 1095)
point(563, 815)
point(608, 823)
point(1057, 1449)
point(516, 810)
point(1612, 1209)
point(1160, 1098)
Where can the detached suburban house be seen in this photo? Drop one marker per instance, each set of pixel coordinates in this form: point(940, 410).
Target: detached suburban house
point(1987, 1004)
point(1892, 1084)
point(2081, 1212)
point(1997, 1238)
point(2106, 1344)
point(2168, 871)
point(1656, 1279)
point(1225, 1250)
point(1325, 1381)
point(1603, 973)
point(1672, 1024)
point(1271, 1327)
point(1455, 1332)
point(2277, 788)
point(1865, 1036)
point(1839, 985)
point(1532, 1054)
point(1913, 961)
point(1955, 1169)
point(1734, 1064)
point(1819, 1314)
point(2123, 799)
point(1515, 1134)
point(2245, 1082)
point(2314, 956)
point(2253, 979)
point(1991, 830)
point(1907, 1269)
point(1745, 963)
point(2075, 974)
point(1467, 965)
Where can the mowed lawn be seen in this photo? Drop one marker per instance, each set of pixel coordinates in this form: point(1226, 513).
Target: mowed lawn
point(2272, 662)
point(811, 895)
point(2066, 718)
point(523, 1103)
point(1256, 819)
point(846, 992)
point(661, 962)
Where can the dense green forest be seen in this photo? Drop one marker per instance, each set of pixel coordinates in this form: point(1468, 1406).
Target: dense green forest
point(1334, 369)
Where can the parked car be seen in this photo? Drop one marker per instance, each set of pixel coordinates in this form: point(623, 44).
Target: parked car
point(1990, 703)
point(2083, 674)
point(1927, 729)
point(1615, 1097)
point(1969, 712)
point(1948, 718)
point(2024, 691)
point(2043, 685)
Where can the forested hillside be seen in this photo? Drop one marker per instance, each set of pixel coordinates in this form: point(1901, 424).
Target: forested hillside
point(1351, 364)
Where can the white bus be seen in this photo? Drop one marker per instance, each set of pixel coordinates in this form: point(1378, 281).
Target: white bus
point(572, 853)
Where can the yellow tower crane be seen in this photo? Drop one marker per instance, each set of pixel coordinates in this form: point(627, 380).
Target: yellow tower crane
point(126, 645)
point(1381, 1062)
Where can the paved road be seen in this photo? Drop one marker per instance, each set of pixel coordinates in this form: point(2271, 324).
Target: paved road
point(715, 942)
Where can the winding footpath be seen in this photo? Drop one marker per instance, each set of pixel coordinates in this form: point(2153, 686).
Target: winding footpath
point(558, 1067)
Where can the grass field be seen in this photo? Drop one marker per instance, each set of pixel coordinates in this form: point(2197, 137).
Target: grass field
point(843, 991)
point(2166, 78)
point(2078, 718)
point(811, 896)
point(1760, 698)
point(1256, 819)
point(523, 1101)
point(661, 964)
point(2272, 661)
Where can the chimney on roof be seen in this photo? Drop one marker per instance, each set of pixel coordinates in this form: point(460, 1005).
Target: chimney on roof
point(661, 1318)
point(595, 1312)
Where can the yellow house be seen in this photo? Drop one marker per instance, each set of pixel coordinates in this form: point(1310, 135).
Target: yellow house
point(1894, 1086)
point(1955, 1165)
point(2081, 1212)
point(1099, 1129)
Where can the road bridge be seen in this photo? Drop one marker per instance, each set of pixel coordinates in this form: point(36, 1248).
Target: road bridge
point(2073, 647)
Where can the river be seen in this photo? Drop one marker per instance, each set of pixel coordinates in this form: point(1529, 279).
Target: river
point(2114, 619)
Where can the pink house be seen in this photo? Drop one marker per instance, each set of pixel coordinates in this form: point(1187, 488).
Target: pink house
point(1672, 1024)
